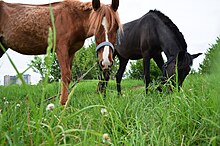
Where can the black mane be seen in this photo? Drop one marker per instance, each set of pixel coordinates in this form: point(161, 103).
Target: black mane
point(172, 27)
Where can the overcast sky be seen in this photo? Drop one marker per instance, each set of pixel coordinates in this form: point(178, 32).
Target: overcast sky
point(198, 20)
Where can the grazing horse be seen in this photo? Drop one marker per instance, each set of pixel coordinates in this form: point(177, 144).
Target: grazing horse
point(24, 28)
point(146, 38)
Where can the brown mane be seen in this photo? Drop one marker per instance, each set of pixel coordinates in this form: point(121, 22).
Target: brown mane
point(96, 18)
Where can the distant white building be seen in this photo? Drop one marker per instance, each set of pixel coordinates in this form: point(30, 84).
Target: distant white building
point(8, 80)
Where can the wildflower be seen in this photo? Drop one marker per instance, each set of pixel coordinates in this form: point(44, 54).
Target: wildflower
point(50, 107)
point(104, 112)
point(6, 102)
point(0, 111)
point(18, 105)
point(106, 139)
point(44, 119)
point(4, 98)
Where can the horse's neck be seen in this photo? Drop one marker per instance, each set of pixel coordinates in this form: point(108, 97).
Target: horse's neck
point(83, 10)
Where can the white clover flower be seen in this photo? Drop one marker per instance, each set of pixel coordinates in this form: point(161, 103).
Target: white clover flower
point(18, 105)
point(6, 102)
point(106, 138)
point(104, 112)
point(4, 98)
point(44, 119)
point(50, 107)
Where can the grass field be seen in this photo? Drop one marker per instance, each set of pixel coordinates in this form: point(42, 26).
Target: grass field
point(186, 118)
point(190, 117)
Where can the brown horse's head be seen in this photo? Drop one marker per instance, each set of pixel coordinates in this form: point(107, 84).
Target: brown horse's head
point(105, 22)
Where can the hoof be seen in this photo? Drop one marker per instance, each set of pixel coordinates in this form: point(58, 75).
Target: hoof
point(63, 101)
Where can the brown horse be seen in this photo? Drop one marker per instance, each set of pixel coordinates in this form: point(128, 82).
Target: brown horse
point(24, 28)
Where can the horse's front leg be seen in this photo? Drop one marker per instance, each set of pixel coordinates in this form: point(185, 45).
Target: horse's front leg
point(65, 61)
point(146, 64)
point(103, 82)
point(122, 66)
point(101, 85)
point(160, 62)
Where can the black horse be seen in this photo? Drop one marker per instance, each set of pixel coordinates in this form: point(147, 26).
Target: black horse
point(147, 37)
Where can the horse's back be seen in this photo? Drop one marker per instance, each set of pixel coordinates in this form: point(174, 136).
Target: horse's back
point(25, 27)
point(137, 33)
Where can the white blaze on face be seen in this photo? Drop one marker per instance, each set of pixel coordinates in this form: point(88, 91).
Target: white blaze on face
point(106, 62)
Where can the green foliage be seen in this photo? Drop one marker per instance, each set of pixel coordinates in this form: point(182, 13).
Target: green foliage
point(39, 66)
point(137, 70)
point(189, 117)
point(84, 59)
point(209, 63)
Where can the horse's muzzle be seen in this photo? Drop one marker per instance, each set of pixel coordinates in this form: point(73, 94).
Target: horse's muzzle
point(105, 66)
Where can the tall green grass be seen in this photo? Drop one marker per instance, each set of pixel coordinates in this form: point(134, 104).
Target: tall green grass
point(189, 117)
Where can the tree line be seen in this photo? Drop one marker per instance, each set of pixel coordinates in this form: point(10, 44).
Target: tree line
point(86, 57)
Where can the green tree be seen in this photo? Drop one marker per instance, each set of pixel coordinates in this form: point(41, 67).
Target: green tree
point(137, 70)
point(211, 55)
point(83, 60)
point(39, 66)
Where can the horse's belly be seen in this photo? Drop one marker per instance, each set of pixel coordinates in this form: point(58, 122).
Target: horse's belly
point(26, 47)
point(130, 53)
point(30, 51)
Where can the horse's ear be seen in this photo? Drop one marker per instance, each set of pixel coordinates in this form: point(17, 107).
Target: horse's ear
point(96, 4)
point(115, 4)
point(195, 55)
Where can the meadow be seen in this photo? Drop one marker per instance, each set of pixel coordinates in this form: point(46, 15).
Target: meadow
point(189, 117)
point(186, 118)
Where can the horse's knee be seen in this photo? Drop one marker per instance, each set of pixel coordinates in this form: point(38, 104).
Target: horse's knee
point(118, 78)
point(100, 87)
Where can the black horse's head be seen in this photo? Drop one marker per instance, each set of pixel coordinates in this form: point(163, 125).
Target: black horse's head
point(180, 66)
